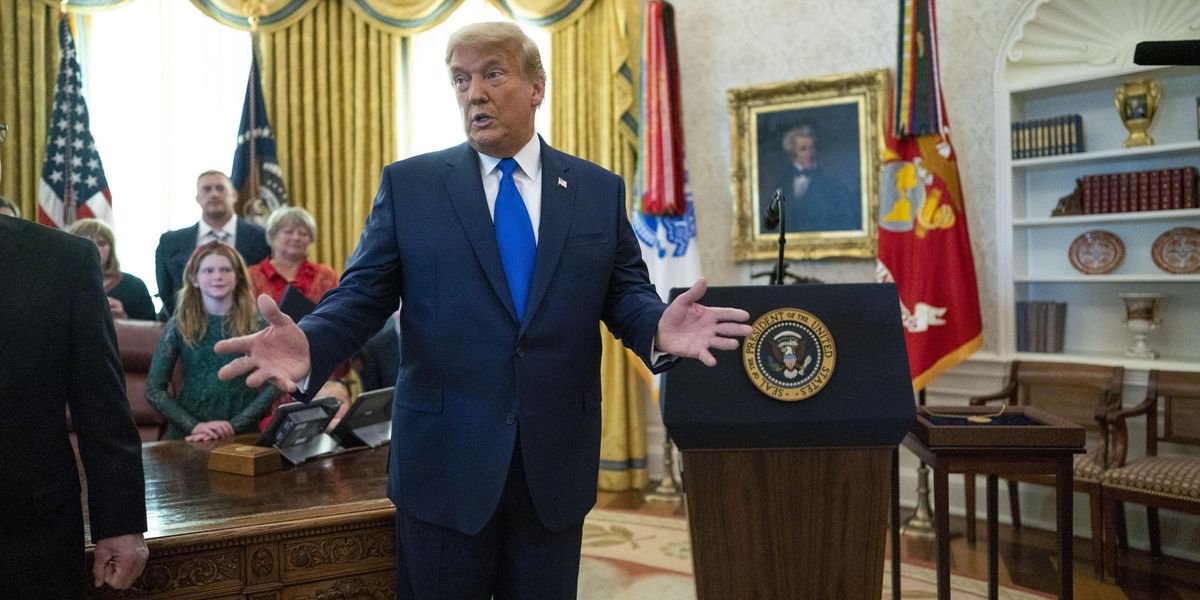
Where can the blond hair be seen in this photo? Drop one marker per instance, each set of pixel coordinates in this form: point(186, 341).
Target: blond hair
point(190, 317)
point(290, 215)
point(506, 35)
point(94, 229)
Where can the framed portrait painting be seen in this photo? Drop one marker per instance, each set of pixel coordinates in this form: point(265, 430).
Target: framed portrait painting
point(817, 145)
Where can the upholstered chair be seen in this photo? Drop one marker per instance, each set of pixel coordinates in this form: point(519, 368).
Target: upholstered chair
point(1159, 479)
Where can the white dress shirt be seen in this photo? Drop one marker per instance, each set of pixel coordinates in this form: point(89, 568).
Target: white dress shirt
point(528, 177)
point(204, 235)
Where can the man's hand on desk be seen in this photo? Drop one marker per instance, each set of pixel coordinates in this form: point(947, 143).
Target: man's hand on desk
point(210, 430)
point(119, 560)
point(277, 354)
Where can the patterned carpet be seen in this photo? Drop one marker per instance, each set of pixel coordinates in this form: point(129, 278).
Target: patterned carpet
point(627, 556)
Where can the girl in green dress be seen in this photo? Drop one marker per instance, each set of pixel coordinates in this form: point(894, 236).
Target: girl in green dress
point(214, 303)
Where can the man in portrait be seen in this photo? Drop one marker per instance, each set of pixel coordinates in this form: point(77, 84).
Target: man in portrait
point(815, 200)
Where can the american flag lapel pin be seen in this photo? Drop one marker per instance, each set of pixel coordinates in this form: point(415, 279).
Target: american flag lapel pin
point(562, 183)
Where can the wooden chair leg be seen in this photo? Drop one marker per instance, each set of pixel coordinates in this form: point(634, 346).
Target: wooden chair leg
point(1094, 505)
point(1110, 537)
point(1155, 533)
point(1122, 532)
point(1014, 504)
point(969, 493)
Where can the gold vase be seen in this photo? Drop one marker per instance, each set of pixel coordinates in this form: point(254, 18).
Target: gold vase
point(1137, 101)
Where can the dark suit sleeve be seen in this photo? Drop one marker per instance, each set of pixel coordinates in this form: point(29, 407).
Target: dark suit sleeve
point(632, 308)
point(369, 291)
point(108, 439)
point(166, 287)
point(252, 242)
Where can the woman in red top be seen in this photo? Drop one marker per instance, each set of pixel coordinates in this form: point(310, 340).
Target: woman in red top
point(290, 233)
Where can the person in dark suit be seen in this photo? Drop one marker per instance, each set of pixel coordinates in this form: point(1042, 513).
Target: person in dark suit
point(815, 200)
point(378, 361)
point(218, 221)
point(496, 415)
point(63, 354)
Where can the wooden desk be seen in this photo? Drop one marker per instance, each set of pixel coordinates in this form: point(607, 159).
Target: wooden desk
point(999, 457)
point(321, 529)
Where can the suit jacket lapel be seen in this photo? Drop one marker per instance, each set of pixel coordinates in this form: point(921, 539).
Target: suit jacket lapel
point(557, 204)
point(17, 274)
point(465, 188)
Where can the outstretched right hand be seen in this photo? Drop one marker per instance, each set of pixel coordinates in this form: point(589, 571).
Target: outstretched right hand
point(277, 354)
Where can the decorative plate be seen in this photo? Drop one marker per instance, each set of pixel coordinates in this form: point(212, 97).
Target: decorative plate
point(1096, 252)
point(1178, 250)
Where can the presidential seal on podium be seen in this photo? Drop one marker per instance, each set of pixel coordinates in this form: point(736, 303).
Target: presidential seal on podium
point(789, 354)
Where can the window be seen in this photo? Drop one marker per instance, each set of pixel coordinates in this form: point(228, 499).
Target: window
point(433, 121)
point(164, 86)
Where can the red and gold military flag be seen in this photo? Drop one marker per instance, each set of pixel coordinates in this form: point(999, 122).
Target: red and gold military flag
point(924, 245)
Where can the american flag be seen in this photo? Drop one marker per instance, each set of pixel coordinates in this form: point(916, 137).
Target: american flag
point(73, 185)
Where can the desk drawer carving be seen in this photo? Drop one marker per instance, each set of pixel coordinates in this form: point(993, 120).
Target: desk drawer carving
point(359, 587)
point(187, 572)
point(339, 549)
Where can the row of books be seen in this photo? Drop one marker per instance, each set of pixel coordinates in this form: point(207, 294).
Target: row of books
point(1047, 137)
point(1041, 326)
point(1162, 189)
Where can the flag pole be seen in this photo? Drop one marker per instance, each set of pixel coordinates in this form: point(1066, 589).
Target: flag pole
point(252, 188)
point(69, 206)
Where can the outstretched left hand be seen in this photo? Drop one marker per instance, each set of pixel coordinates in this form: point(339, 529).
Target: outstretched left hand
point(690, 329)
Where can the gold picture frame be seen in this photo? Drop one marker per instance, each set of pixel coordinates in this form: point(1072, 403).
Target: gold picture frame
point(834, 214)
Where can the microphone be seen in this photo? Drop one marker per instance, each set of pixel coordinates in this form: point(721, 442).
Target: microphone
point(772, 219)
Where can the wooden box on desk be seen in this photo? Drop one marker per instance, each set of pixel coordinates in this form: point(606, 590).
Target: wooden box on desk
point(1045, 431)
point(244, 459)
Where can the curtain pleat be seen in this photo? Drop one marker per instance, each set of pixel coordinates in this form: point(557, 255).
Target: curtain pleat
point(593, 62)
point(28, 64)
point(329, 83)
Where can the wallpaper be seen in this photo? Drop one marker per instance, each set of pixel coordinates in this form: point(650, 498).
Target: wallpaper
point(725, 45)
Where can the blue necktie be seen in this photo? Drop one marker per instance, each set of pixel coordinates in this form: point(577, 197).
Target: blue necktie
point(514, 235)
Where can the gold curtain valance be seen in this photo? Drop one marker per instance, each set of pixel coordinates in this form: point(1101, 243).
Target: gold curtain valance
point(396, 17)
point(548, 14)
point(273, 15)
point(87, 6)
point(404, 17)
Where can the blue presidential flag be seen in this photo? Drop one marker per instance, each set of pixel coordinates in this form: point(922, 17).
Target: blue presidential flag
point(72, 185)
point(256, 174)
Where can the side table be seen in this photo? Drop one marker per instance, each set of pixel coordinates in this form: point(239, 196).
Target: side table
point(1027, 441)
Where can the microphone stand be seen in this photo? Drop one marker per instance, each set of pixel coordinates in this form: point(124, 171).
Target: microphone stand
point(779, 264)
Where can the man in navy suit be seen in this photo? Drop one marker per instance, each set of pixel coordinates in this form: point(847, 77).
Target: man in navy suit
point(218, 221)
point(496, 414)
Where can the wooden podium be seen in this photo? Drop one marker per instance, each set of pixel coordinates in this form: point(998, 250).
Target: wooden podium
point(790, 499)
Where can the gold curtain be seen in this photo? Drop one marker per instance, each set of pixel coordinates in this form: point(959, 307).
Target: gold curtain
point(398, 17)
point(548, 14)
point(594, 61)
point(329, 82)
point(29, 64)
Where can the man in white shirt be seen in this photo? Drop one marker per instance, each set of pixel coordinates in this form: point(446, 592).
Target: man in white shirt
point(218, 221)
